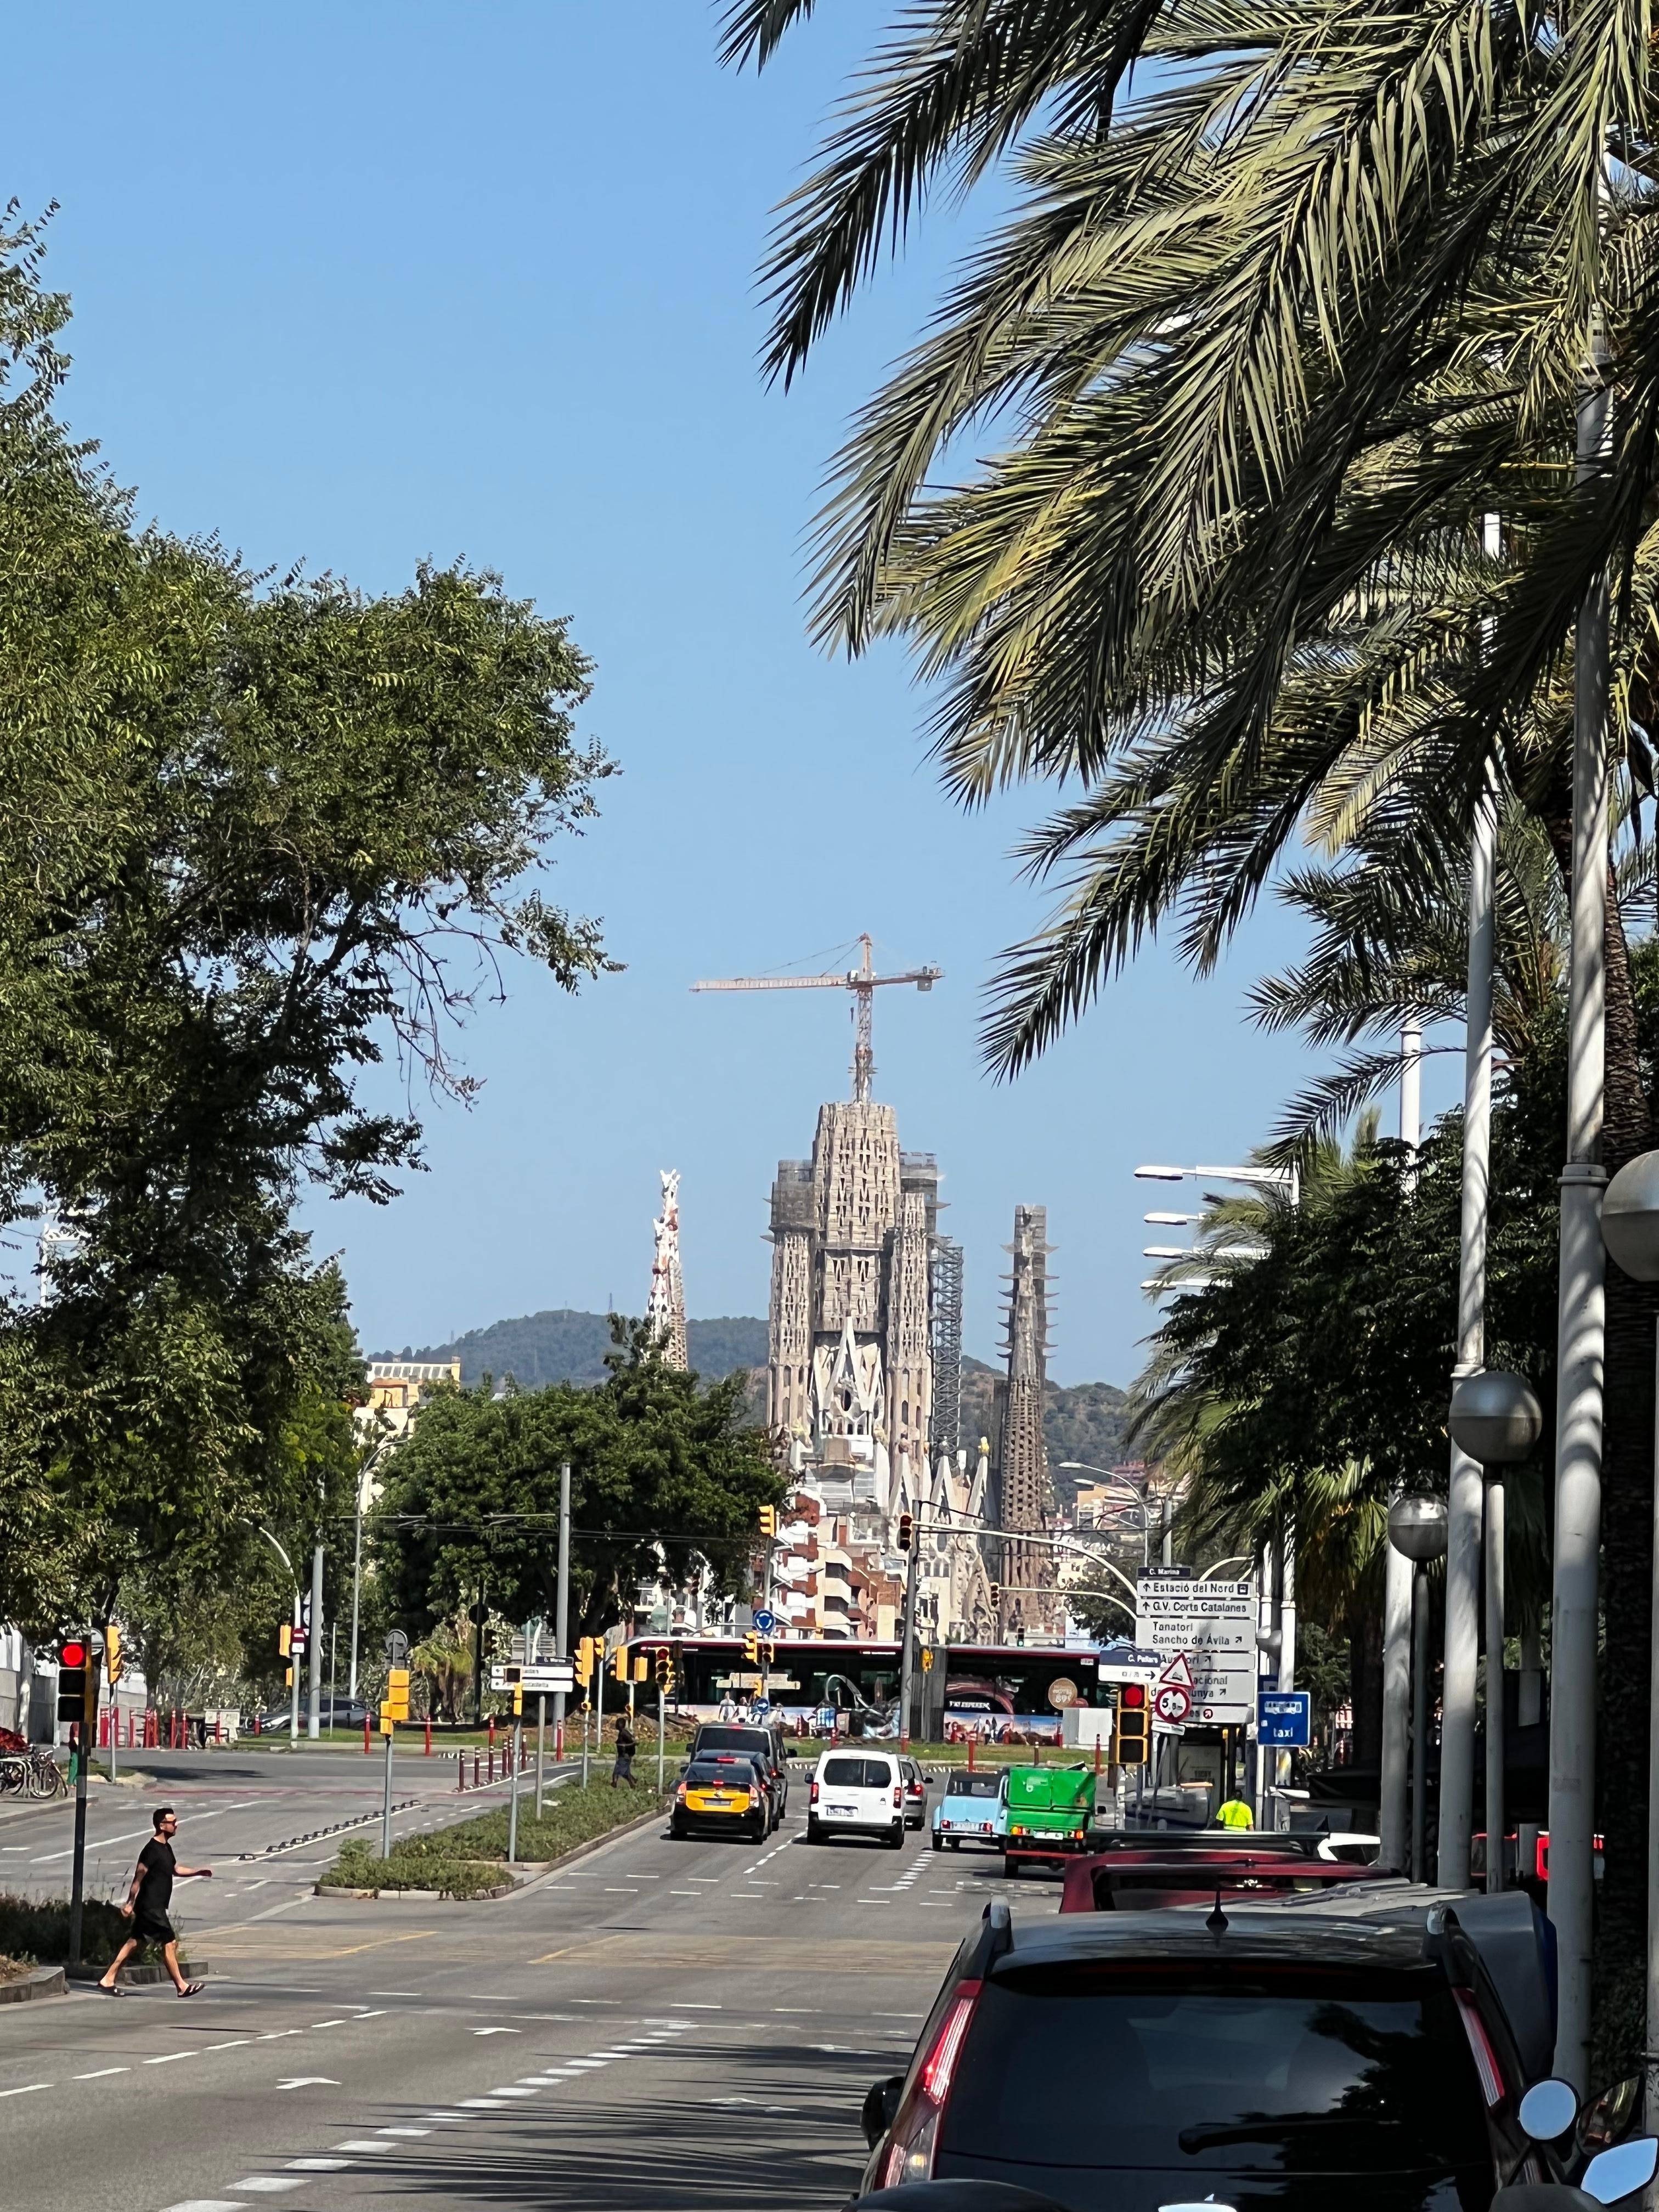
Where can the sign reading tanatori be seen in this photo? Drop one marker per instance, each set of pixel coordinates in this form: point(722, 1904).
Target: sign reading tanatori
point(1214, 1624)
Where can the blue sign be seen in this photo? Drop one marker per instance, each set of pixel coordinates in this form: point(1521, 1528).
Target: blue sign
point(1284, 1718)
point(766, 1622)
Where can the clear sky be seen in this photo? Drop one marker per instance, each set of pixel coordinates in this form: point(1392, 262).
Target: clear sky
point(362, 285)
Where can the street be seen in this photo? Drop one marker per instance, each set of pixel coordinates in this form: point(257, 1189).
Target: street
point(658, 2025)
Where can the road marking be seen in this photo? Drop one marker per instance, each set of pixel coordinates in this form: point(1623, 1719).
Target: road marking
point(403, 2131)
point(482, 2104)
point(498, 2030)
point(234, 2042)
point(265, 2185)
point(512, 2089)
point(101, 2071)
point(362, 2143)
point(208, 2204)
point(102, 1843)
point(801, 2008)
point(688, 2006)
point(682, 1893)
point(276, 2035)
point(27, 2087)
point(396, 1993)
point(167, 2058)
point(577, 2065)
point(329, 2023)
point(317, 2165)
point(310, 2081)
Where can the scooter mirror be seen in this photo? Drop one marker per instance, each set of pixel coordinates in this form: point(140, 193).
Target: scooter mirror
point(1607, 2120)
point(1548, 2110)
point(1621, 2171)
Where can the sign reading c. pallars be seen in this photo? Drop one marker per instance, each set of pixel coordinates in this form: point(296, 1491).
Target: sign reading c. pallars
point(1214, 1625)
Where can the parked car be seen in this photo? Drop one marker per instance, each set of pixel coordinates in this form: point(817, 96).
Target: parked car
point(857, 1793)
point(915, 1792)
point(1276, 2054)
point(970, 1810)
point(722, 1794)
point(741, 1735)
point(1152, 1879)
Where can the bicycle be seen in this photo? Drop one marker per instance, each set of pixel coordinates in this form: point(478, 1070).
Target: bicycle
point(45, 1778)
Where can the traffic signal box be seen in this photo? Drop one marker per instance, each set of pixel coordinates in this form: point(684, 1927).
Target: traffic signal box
point(395, 1706)
point(768, 1521)
point(619, 1662)
point(751, 1647)
point(662, 1662)
point(641, 1667)
point(78, 1659)
point(112, 1659)
point(584, 1655)
point(907, 1526)
point(1129, 1741)
point(285, 1639)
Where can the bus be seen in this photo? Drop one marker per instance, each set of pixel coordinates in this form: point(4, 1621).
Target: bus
point(980, 1692)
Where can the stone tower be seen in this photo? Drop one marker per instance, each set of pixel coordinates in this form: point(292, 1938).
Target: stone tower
point(665, 1308)
point(1025, 1494)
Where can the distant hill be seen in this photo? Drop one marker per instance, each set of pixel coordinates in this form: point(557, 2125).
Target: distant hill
point(1082, 1423)
point(567, 1346)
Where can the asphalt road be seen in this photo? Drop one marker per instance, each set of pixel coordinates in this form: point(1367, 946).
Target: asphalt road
point(244, 1813)
point(662, 2026)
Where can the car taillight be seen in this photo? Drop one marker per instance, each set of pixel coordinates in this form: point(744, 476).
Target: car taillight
point(813, 1799)
point(1486, 2058)
point(915, 2129)
point(680, 1792)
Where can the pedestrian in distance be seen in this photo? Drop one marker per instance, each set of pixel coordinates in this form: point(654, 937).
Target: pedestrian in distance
point(147, 1904)
point(626, 1745)
point(1235, 1814)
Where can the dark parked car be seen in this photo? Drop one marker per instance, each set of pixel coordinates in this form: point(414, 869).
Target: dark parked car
point(1146, 1881)
point(1276, 2054)
point(738, 1736)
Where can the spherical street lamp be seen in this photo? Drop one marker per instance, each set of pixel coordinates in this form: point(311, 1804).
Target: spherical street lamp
point(1495, 1417)
point(1416, 1529)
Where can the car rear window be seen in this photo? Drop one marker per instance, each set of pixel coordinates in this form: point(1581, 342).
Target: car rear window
point(1198, 2069)
point(707, 1773)
point(964, 1785)
point(858, 1773)
point(733, 1739)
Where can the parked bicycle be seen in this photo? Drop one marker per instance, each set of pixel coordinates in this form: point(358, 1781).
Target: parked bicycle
point(31, 1773)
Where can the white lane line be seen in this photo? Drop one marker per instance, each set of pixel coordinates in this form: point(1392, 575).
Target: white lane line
point(317, 2165)
point(687, 2005)
point(513, 2090)
point(482, 2104)
point(330, 2023)
point(234, 2043)
point(167, 2058)
point(403, 2131)
point(101, 2072)
point(577, 2066)
point(265, 2185)
point(362, 2143)
point(25, 2089)
point(101, 1842)
point(208, 2204)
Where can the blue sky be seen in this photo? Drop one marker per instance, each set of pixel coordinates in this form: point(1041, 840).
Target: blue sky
point(359, 286)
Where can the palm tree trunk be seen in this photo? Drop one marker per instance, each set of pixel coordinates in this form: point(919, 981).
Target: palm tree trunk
point(1627, 1563)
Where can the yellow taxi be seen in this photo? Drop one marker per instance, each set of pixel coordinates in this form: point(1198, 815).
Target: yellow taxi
point(714, 1793)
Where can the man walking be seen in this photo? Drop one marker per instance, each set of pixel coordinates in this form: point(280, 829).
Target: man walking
point(147, 1904)
point(626, 1745)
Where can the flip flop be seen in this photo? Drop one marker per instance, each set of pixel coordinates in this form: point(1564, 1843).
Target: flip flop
point(109, 1990)
point(192, 1989)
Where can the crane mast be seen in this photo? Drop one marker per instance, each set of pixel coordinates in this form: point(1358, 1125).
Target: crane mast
point(862, 981)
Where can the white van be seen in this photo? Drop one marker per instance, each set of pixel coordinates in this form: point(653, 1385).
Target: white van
point(858, 1791)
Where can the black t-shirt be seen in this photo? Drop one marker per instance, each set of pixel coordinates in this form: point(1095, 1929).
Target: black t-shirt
point(155, 1891)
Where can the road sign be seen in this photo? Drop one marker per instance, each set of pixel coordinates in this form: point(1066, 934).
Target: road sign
point(542, 1681)
point(1172, 1703)
point(397, 1647)
point(1212, 1625)
point(1284, 1717)
point(766, 1622)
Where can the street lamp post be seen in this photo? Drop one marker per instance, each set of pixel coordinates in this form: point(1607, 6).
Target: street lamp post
point(1496, 1420)
point(1629, 1230)
point(294, 1663)
point(1416, 1529)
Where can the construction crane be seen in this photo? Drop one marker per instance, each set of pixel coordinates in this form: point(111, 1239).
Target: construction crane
point(862, 981)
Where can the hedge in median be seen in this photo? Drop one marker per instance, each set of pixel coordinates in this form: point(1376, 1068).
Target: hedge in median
point(32, 1931)
point(462, 1859)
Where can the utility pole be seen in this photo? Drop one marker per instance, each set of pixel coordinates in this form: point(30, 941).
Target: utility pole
point(293, 1658)
point(1582, 1338)
point(478, 1617)
point(314, 1643)
point(1464, 1496)
point(907, 1654)
point(1396, 1567)
point(560, 1616)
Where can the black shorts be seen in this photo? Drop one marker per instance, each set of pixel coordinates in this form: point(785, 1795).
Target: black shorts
point(153, 1927)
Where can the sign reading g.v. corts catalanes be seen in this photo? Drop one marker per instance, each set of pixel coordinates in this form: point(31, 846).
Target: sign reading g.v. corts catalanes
point(1214, 1625)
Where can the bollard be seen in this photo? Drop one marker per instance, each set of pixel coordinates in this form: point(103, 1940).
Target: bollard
point(475, 1769)
point(428, 1736)
point(259, 1716)
point(217, 1738)
point(368, 1747)
point(971, 1754)
point(460, 1770)
point(492, 1756)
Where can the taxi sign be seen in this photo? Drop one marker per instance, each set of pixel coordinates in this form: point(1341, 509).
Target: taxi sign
point(1284, 1717)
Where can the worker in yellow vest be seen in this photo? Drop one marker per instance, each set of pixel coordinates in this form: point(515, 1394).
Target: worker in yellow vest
point(1235, 1814)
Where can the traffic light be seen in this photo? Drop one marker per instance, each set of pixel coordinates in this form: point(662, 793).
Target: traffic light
point(907, 1529)
point(584, 1651)
point(752, 1648)
point(664, 1665)
point(619, 1664)
point(112, 1653)
point(518, 1701)
point(76, 1669)
point(285, 1639)
point(768, 1521)
point(769, 1650)
point(1129, 1746)
point(996, 1594)
point(397, 1691)
point(641, 1667)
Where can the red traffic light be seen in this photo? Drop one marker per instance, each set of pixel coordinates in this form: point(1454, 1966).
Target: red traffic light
point(72, 1652)
point(1132, 1694)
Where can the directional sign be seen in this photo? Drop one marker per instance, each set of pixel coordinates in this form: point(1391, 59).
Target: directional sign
point(1284, 1717)
point(766, 1622)
point(1212, 1625)
point(539, 1681)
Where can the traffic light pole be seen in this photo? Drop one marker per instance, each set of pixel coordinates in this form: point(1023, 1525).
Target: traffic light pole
point(661, 1712)
point(541, 1747)
point(516, 1756)
point(386, 1802)
point(907, 1653)
point(561, 1619)
point(293, 1658)
point(77, 1878)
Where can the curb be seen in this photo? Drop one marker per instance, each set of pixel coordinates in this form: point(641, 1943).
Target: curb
point(43, 1982)
point(139, 1977)
point(548, 1869)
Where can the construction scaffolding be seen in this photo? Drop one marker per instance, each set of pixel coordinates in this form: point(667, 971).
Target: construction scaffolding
point(1025, 1494)
point(947, 1345)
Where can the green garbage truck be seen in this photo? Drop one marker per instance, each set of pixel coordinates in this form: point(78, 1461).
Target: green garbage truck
point(1046, 1813)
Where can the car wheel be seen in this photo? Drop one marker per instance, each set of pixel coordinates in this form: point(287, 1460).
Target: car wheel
point(955, 1843)
point(938, 1843)
point(814, 1834)
point(895, 1840)
point(760, 1832)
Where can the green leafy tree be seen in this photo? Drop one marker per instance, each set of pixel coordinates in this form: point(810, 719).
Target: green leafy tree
point(256, 831)
point(666, 1475)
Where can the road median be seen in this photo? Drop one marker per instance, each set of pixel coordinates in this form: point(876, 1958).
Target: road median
point(466, 1862)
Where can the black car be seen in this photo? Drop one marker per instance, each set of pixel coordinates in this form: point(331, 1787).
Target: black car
point(767, 1743)
point(748, 1764)
point(1265, 2057)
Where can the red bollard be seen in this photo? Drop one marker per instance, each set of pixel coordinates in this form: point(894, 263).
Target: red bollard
point(492, 1738)
point(257, 1718)
point(365, 1741)
point(971, 1754)
point(217, 1738)
point(558, 1740)
point(492, 1762)
point(428, 1736)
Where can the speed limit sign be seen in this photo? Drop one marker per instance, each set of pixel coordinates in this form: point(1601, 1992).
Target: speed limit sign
point(1171, 1703)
